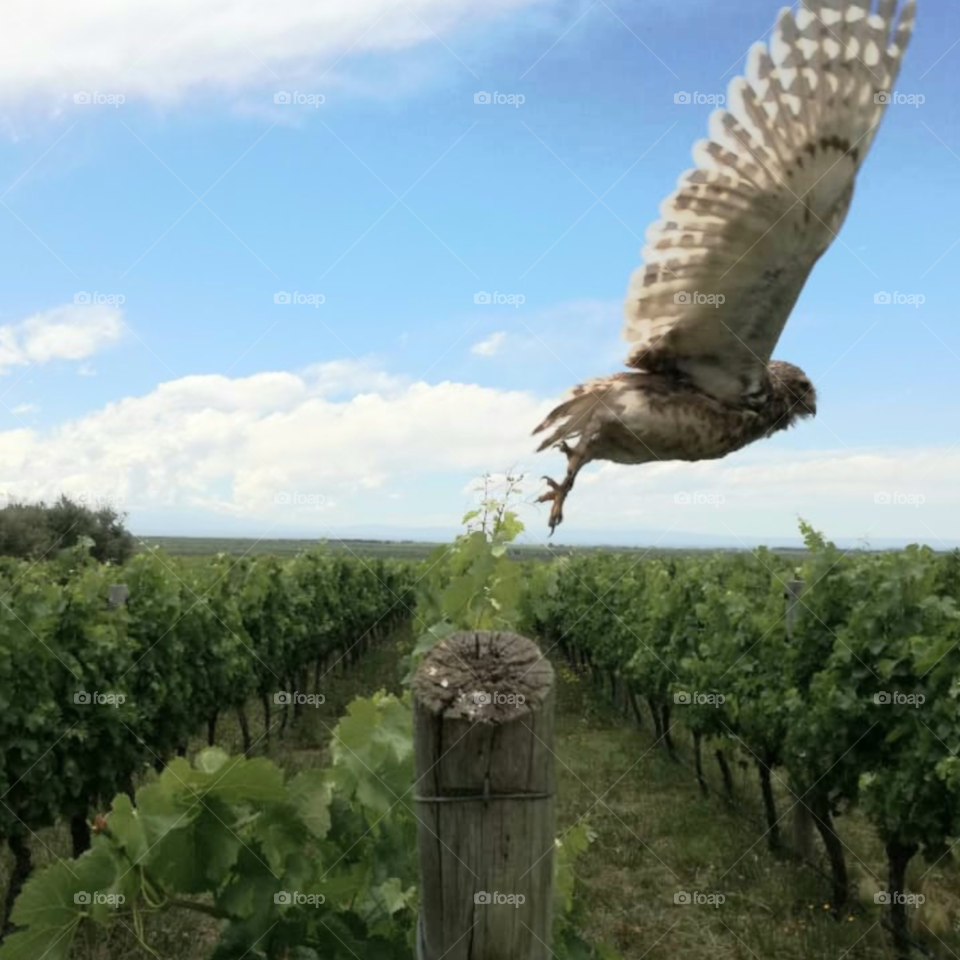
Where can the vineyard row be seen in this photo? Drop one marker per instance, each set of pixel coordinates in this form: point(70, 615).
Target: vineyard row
point(93, 692)
point(858, 708)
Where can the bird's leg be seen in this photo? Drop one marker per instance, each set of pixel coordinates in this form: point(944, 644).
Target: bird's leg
point(558, 491)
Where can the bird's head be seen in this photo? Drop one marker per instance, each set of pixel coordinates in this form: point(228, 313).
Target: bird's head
point(794, 389)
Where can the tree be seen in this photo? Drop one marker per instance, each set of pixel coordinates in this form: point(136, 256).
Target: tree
point(30, 531)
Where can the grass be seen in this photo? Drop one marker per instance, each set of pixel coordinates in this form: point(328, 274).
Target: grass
point(656, 835)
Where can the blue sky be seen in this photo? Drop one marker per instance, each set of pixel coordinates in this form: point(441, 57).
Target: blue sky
point(197, 400)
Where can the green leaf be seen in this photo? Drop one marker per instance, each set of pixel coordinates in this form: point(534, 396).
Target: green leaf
point(211, 759)
point(278, 835)
point(311, 793)
point(40, 943)
point(48, 906)
point(198, 855)
point(251, 889)
point(249, 781)
point(127, 828)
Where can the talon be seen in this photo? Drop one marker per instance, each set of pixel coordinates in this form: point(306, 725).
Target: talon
point(556, 514)
point(557, 494)
point(554, 486)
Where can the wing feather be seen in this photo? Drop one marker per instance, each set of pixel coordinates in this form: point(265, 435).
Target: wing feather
point(770, 189)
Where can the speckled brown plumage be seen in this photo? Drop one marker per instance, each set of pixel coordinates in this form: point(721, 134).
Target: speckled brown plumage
point(643, 417)
point(738, 238)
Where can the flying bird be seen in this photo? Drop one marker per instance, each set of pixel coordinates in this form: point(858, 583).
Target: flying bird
point(737, 240)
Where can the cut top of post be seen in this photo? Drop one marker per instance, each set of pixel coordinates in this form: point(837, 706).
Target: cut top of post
point(486, 677)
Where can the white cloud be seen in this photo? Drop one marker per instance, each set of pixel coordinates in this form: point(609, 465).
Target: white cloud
point(161, 49)
point(71, 332)
point(361, 446)
point(339, 377)
point(760, 492)
point(490, 346)
point(230, 445)
point(24, 408)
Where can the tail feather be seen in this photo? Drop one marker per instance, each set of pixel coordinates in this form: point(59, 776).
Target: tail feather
point(576, 414)
point(558, 413)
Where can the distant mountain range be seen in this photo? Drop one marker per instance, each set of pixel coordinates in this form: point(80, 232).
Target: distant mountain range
point(600, 538)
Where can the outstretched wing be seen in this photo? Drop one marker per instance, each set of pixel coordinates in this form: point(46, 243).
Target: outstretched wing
point(724, 267)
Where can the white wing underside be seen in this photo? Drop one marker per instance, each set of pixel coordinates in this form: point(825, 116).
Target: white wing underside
point(771, 189)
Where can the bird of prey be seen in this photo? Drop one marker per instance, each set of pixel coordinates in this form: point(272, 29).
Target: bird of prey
point(737, 240)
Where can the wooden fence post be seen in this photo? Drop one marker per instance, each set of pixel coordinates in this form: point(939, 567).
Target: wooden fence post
point(483, 709)
point(803, 840)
